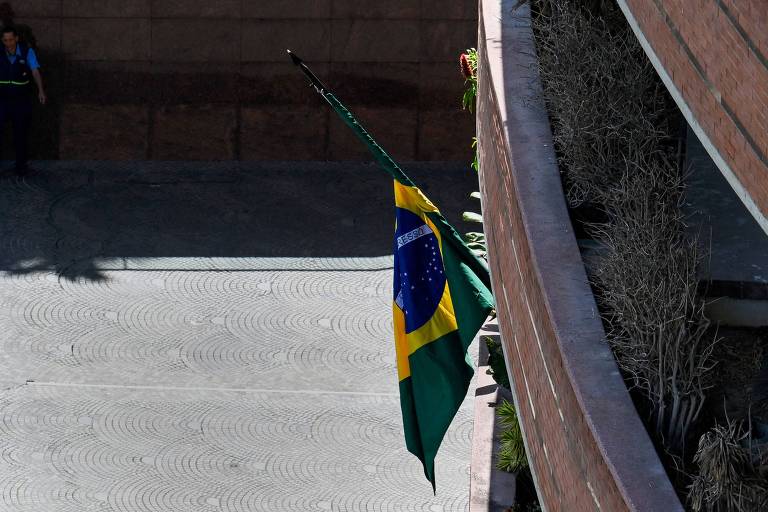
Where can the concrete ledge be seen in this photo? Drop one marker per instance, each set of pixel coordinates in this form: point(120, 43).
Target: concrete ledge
point(490, 489)
point(587, 447)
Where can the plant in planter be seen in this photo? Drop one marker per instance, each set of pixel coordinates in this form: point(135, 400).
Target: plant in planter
point(498, 368)
point(512, 458)
point(468, 64)
point(729, 472)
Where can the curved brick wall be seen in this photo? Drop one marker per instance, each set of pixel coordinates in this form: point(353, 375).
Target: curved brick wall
point(151, 79)
point(713, 57)
point(587, 446)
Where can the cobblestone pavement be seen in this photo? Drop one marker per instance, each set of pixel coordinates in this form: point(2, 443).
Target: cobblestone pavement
point(178, 337)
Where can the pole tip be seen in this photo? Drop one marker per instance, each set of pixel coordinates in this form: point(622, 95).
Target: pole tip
point(296, 60)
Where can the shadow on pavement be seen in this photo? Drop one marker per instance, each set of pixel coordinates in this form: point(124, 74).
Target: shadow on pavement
point(81, 218)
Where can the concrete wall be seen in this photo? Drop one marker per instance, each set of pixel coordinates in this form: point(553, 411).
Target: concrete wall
point(588, 449)
point(713, 56)
point(192, 79)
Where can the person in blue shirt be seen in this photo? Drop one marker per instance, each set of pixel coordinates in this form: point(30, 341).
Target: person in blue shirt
point(17, 70)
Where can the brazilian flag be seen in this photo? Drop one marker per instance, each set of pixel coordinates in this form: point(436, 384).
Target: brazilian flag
point(441, 298)
point(440, 302)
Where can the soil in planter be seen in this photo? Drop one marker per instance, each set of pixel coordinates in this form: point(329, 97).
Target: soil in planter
point(741, 385)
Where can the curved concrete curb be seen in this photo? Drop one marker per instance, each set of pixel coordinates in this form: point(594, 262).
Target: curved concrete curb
point(588, 448)
point(490, 489)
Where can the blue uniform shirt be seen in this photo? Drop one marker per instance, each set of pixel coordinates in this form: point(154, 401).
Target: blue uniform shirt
point(31, 57)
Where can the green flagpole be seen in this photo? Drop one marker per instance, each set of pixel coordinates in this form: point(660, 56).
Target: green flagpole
point(390, 166)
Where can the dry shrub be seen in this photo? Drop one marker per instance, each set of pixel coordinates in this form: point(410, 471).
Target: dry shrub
point(728, 478)
point(603, 96)
point(648, 292)
point(613, 130)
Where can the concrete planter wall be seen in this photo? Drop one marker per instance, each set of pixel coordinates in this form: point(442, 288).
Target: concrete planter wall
point(587, 447)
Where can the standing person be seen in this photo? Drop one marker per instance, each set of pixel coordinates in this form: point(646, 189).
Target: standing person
point(19, 66)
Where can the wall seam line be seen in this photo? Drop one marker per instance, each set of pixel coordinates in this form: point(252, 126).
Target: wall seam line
point(714, 153)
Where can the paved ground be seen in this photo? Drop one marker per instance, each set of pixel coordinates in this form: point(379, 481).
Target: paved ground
point(207, 338)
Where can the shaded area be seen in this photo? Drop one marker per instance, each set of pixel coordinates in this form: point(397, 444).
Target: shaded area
point(738, 246)
point(155, 92)
point(736, 266)
point(79, 218)
point(44, 127)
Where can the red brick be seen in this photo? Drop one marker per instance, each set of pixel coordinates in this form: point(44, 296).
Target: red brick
point(108, 82)
point(283, 133)
point(268, 40)
point(30, 8)
point(173, 83)
point(393, 128)
point(278, 83)
point(442, 85)
point(402, 9)
point(200, 132)
point(106, 39)
point(730, 66)
point(106, 8)
point(46, 31)
point(192, 40)
point(378, 84)
point(376, 40)
point(96, 132)
point(196, 8)
point(443, 41)
point(456, 9)
point(446, 135)
point(284, 9)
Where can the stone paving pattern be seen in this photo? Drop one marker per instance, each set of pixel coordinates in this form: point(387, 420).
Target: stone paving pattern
point(207, 337)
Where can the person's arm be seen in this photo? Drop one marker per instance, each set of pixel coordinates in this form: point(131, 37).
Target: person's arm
point(34, 66)
point(40, 89)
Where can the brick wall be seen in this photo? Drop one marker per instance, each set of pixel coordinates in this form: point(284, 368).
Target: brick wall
point(716, 54)
point(587, 447)
point(191, 79)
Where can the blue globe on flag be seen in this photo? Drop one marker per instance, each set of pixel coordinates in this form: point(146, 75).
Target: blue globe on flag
point(419, 276)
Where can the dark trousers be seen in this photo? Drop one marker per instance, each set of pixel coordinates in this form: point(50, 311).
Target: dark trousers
point(18, 111)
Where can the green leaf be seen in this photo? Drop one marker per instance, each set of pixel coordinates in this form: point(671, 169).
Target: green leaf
point(472, 217)
point(511, 456)
point(496, 361)
point(468, 100)
point(475, 195)
point(474, 236)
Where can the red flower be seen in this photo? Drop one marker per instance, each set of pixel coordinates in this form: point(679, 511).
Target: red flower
point(466, 67)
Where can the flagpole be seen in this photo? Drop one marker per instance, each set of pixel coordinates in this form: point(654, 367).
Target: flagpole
point(383, 157)
point(480, 267)
point(313, 80)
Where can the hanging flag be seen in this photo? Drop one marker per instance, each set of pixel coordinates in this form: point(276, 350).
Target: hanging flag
point(441, 298)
